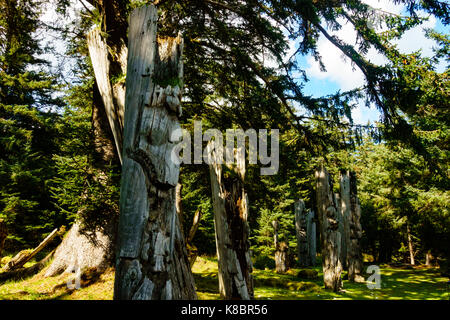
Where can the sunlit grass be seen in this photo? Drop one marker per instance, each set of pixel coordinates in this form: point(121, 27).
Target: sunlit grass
point(396, 283)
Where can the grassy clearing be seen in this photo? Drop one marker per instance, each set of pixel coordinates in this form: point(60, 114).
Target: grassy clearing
point(396, 283)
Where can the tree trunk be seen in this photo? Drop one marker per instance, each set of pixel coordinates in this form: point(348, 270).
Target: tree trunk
point(3, 236)
point(192, 250)
point(152, 260)
point(275, 225)
point(301, 233)
point(354, 255)
point(311, 237)
point(330, 236)
point(230, 205)
point(428, 258)
point(345, 207)
point(410, 244)
point(80, 250)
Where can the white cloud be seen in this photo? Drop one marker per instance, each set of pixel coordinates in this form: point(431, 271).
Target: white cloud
point(340, 71)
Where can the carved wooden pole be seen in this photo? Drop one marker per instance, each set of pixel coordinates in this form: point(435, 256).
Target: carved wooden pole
point(344, 184)
point(354, 255)
point(281, 258)
point(230, 205)
point(311, 237)
point(330, 236)
point(301, 228)
point(152, 260)
point(340, 215)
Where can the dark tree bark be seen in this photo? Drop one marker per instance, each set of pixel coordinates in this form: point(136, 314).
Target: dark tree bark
point(230, 205)
point(329, 225)
point(3, 236)
point(152, 259)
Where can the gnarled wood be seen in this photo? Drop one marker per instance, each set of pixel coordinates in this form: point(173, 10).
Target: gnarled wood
point(329, 225)
point(152, 259)
point(230, 205)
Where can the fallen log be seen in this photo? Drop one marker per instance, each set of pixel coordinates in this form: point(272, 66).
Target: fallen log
point(26, 272)
point(26, 255)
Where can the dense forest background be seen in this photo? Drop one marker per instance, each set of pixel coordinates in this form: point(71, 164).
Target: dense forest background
point(55, 167)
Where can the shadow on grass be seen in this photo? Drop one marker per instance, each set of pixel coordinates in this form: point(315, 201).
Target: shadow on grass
point(396, 283)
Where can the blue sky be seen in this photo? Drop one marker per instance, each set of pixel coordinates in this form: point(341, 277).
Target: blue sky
point(341, 76)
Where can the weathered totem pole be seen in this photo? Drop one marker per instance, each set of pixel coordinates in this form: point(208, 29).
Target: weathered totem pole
point(342, 222)
point(230, 205)
point(281, 250)
point(344, 184)
point(152, 260)
point(306, 233)
point(311, 236)
point(329, 230)
point(354, 255)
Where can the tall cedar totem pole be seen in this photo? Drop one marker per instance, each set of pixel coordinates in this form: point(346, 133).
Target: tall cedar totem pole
point(152, 260)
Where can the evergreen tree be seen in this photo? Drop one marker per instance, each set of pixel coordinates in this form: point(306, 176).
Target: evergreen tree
point(27, 125)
